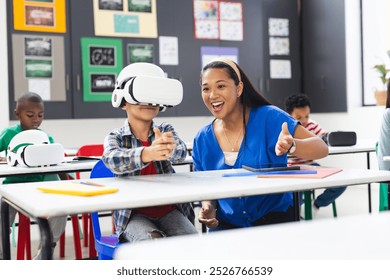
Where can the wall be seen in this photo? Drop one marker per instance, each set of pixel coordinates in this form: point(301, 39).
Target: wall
point(4, 111)
point(364, 120)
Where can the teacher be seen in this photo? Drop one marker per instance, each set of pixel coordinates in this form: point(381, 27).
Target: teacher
point(247, 130)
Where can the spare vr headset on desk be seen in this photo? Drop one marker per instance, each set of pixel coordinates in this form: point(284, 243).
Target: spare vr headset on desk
point(340, 138)
point(32, 148)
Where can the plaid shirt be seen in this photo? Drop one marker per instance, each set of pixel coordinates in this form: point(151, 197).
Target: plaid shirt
point(122, 155)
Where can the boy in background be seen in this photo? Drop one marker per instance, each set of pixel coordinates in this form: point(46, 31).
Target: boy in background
point(298, 106)
point(142, 147)
point(30, 112)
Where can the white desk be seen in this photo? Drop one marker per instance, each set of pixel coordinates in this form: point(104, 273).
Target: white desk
point(152, 190)
point(362, 146)
point(349, 238)
point(76, 166)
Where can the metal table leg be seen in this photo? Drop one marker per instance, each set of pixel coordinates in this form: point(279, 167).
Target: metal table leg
point(5, 230)
point(369, 185)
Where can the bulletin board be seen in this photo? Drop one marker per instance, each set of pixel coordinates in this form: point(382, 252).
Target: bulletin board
point(40, 15)
point(174, 47)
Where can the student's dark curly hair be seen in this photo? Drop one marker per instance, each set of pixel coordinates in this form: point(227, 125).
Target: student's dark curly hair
point(299, 100)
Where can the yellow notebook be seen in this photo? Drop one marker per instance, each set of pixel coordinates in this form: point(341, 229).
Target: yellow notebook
point(78, 188)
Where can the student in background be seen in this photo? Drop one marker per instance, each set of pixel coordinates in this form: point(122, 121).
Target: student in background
point(298, 106)
point(384, 135)
point(30, 112)
point(247, 130)
point(142, 147)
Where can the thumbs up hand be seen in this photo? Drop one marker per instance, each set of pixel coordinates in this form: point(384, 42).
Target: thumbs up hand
point(285, 141)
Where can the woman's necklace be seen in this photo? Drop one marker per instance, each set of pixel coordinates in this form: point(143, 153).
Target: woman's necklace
point(235, 142)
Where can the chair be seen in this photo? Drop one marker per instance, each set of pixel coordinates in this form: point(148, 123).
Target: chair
point(308, 204)
point(88, 150)
point(383, 192)
point(104, 245)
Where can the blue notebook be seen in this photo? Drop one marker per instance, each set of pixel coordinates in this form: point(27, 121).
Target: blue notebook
point(284, 172)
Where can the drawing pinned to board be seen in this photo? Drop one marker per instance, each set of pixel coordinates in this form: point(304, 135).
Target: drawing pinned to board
point(101, 63)
point(102, 83)
point(140, 53)
point(128, 24)
point(39, 65)
point(143, 6)
point(278, 27)
point(280, 69)
point(38, 68)
point(129, 18)
point(218, 20)
point(42, 16)
point(209, 53)
point(37, 46)
point(231, 25)
point(168, 50)
point(112, 5)
point(99, 55)
point(279, 46)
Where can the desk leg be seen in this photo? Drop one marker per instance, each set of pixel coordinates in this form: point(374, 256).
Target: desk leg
point(369, 185)
point(388, 196)
point(46, 239)
point(5, 230)
point(297, 215)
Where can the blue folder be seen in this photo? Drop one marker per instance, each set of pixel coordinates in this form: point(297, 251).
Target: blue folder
point(285, 172)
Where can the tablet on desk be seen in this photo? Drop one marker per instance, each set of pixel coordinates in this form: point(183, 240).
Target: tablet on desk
point(269, 169)
point(81, 158)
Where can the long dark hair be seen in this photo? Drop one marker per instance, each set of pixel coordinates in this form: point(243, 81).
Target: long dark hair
point(250, 97)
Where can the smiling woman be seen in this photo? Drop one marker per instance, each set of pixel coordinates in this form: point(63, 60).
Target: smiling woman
point(247, 130)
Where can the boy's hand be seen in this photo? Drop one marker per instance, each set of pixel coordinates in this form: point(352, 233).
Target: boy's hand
point(161, 148)
point(285, 141)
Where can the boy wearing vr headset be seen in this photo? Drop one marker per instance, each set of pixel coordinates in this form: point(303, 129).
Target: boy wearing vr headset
point(30, 111)
point(142, 147)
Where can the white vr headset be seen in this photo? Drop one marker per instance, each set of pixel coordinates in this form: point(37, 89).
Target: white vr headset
point(145, 83)
point(32, 148)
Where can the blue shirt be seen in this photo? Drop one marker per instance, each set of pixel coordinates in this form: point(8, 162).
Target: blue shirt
point(122, 155)
point(257, 149)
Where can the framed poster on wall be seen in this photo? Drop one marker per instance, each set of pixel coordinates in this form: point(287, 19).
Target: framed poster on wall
point(41, 16)
point(101, 64)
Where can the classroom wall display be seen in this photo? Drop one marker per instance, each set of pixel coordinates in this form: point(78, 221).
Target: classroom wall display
point(220, 20)
point(140, 53)
point(102, 60)
point(279, 45)
point(168, 50)
point(40, 15)
point(280, 69)
point(41, 59)
point(125, 18)
point(87, 81)
point(209, 53)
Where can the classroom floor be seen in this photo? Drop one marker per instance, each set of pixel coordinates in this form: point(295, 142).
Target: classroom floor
point(354, 201)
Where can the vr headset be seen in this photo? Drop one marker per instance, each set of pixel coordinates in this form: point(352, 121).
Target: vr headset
point(145, 83)
point(32, 148)
point(340, 138)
